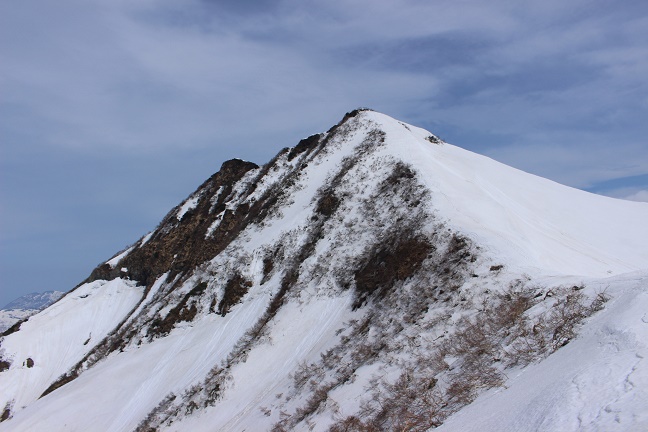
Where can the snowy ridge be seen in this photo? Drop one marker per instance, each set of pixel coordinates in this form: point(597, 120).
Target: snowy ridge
point(540, 223)
point(77, 323)
point(305, 294)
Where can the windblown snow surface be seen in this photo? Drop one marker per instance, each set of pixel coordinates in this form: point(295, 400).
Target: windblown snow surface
point(306, 340)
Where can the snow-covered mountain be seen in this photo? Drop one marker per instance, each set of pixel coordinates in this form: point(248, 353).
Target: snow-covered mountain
point(25, 306)
point(373, 277)
point(35, 300)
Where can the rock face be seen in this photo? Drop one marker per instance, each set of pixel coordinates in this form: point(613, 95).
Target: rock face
point(372, 277)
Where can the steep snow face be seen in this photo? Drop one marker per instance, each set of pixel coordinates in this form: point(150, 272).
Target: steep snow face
point(52, 341)
point(288, 295)
point(528, 221)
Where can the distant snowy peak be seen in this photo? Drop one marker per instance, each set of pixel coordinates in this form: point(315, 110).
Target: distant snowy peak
point(26, 306)
point(34, 301)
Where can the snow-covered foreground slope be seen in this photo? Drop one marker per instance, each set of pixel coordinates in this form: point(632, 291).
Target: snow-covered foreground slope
point(371, 276)
point(58, 337)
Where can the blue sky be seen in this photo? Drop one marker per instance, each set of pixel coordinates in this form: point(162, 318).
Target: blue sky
point(113, 111)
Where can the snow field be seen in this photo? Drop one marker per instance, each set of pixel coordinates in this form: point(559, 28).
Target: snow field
point(256, 383)
point(121, 390)
point(58, 337)
point(598, 382)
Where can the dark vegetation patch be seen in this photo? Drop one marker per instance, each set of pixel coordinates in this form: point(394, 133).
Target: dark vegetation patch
point(4, 365)
point(483, 345)
point(61, 381)
point(185, 310)
point(327, 204)
point(400, 172)
point(235, 288)
point(29, 362)
point(269, 259)
point(390, 262)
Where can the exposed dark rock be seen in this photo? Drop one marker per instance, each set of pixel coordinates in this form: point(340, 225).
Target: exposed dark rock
point(433, 139)
point(179, 246)
point(14, 328)
point(304, 145)
point(4, 365)
point(29, 363)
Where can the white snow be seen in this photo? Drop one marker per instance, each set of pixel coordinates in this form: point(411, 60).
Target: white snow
point(10, 317)
point(122, 389)
point(527, 220)
point(115, 260)
point(598, 382)
point(59, 336)
point(189, 204)
point(263, 375)
point(145, 239)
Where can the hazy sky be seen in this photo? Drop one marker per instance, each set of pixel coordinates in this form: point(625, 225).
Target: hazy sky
point(113, 111)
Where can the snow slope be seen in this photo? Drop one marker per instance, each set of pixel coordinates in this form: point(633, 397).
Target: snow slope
point(529, 221)
point(58, 337)
point(11, 317)
point(599, 382)
point(289, 285)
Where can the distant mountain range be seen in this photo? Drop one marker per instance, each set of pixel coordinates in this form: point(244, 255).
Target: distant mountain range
point(34, 300)
point(25, 306)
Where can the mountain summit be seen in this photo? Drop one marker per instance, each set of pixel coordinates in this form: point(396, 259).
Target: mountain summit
point(372, 277)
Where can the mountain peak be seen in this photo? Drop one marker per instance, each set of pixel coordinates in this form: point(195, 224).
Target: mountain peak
point(369, 276)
